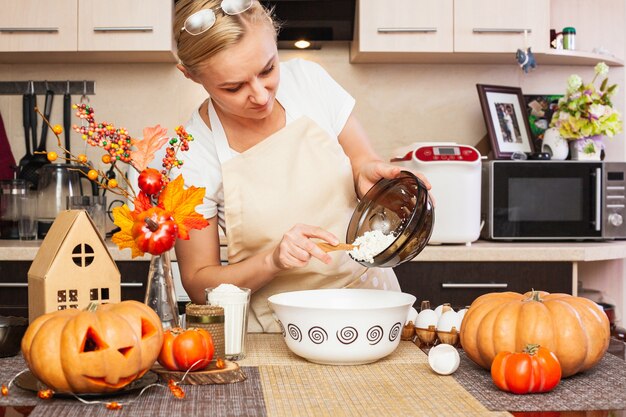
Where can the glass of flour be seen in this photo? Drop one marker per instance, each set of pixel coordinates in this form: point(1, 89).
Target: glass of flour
point(235, 302)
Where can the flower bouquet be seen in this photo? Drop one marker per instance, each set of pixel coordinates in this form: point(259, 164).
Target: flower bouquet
point(586, 112)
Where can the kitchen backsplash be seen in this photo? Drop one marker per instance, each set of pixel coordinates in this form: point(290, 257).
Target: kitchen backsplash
point(397, 103)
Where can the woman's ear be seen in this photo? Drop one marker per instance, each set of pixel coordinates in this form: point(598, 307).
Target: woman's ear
point(185, 72)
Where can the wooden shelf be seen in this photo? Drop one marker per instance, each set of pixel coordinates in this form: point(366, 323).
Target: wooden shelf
point(552, 57)
point(563, 57)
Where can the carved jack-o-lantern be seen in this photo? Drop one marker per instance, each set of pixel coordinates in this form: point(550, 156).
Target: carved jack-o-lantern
point(102, 349)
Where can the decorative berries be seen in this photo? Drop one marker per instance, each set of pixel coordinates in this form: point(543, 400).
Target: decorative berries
point(92, 174)
point(82, 158)
point(112, 183)
point(57, 129)
point(106, 158)
point(52, 156)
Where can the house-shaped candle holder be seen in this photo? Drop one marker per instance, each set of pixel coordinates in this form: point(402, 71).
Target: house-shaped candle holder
point(72, 268)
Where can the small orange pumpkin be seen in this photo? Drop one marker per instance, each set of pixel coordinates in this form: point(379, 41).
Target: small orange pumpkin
point(574, 328)
point(101, 349)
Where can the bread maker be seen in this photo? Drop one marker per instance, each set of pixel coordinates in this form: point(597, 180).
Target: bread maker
point(454, 171)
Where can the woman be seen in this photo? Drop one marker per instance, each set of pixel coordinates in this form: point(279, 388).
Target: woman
point(280, 155)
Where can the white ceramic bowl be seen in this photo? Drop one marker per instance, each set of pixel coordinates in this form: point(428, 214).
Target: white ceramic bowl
point(341, 326)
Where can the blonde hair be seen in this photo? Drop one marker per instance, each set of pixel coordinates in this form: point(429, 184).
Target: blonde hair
point(227, 30)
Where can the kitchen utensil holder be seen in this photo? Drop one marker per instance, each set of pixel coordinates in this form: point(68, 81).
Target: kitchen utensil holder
point(83, 87)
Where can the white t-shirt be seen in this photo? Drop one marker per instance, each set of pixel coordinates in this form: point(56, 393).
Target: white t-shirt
point(305, 89)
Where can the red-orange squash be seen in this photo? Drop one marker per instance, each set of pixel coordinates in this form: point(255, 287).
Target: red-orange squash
point(574, 328)
point(101, 349)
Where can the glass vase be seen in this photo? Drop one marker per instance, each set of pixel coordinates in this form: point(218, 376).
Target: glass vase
point(160, 293)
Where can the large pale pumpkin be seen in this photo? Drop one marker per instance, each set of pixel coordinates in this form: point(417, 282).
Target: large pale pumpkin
point(574, 328)
point(101, 349)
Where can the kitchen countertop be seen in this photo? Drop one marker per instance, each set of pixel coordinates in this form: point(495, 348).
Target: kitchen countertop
point(480, 251)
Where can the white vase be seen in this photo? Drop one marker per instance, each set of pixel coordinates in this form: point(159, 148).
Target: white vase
point(586, 149)
point(554, 144)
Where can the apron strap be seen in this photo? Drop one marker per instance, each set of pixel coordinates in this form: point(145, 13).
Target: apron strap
point(224, 153)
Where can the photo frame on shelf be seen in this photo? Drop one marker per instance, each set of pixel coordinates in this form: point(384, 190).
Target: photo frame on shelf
point(504, 111)
point(540, 108)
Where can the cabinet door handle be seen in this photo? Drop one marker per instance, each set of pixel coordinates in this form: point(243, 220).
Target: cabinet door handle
point(132, 284)
point(407, 30)
point(13, 284)
point(123, 29)
point(29, 30)
point(501, 30)
point(474, 285)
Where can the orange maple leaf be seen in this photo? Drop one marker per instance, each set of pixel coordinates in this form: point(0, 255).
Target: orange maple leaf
point(182, 204)
point(153, 139)
point(124, 219)
point(141, 203)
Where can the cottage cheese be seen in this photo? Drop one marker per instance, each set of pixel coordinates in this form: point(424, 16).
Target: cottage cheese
point(371, 244)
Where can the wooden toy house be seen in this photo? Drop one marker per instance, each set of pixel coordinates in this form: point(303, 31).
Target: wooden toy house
point(72, 268)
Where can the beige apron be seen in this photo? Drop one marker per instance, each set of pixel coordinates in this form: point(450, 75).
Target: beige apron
point(299, 174)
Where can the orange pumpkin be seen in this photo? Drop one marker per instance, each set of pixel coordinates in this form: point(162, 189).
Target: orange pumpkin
point(574, 328)
point(101, 349)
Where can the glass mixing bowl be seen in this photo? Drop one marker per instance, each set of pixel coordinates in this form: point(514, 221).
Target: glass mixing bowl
point(401, 206)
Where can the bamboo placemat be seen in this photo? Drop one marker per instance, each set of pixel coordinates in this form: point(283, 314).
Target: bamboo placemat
point(404, 385)
point(379, 389)
point(270, 349)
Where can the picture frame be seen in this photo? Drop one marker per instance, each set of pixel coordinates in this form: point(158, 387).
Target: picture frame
point(504, 111)
point(540, 108)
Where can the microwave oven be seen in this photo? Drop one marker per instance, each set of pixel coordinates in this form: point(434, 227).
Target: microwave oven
point(553, 200)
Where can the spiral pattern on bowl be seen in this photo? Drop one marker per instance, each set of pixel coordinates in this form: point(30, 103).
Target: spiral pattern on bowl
point(317, 335)
point(294, 332)
point(395, 331)
point(347, 335)
point(375, 334)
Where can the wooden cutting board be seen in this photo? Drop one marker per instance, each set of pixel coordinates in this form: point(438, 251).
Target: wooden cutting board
point(231, 373)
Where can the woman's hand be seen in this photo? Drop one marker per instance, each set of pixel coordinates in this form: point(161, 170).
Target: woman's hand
point(296, 247)
point(373, 171)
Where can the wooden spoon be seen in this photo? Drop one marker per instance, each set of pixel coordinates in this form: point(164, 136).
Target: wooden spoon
point(327, 247)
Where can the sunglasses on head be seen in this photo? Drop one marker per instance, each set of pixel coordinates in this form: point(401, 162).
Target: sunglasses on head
point(204, 19)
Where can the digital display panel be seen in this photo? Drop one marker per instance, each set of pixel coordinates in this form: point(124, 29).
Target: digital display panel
point(446, 151)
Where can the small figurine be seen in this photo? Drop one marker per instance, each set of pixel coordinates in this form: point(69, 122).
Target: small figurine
point(526, 59)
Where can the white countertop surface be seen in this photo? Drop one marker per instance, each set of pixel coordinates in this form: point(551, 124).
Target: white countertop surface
point(481, 251)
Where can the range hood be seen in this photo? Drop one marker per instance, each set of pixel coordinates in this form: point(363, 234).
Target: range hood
point(313, 20)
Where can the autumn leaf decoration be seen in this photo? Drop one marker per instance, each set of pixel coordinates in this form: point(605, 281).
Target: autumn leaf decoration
point(164, 210)
point(174, 202)
point(180, 203)
point(153, 139)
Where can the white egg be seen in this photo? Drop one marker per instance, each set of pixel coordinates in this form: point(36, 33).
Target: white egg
point(448, 320)
point(439, 309)
point(461, 314)
point(426, 318)
point(444, 359)
point(411, 316)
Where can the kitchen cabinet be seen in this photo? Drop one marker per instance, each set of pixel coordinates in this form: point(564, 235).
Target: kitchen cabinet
point(460, 283)
point(405, 26)
point(480, 31)
point(86, 31)
point(499, 25)
point(14, 284)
